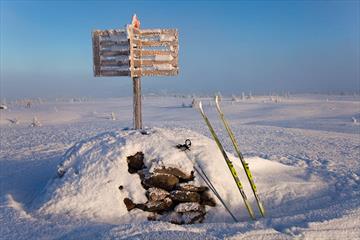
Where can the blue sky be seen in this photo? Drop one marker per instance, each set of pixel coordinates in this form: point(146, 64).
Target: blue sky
point(258, 46)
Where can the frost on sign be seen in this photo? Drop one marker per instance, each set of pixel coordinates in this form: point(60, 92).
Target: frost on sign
point(135, 52)
point(111, 50)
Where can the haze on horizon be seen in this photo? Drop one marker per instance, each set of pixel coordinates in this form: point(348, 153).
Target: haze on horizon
point(231, 47)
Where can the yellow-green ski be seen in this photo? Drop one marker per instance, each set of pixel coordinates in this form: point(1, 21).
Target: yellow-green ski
point(228, 162)
point(243, 162)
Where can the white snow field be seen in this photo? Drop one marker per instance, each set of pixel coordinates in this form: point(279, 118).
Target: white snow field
point(303, 151)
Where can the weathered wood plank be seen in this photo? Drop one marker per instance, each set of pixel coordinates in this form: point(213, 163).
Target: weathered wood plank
point(145, 62)
point(140, 72)
point(149, 32)
point(158, 43)
point(158, 57)
point(120, 68)
point(130, 31)
point(114, 73)
point(154, 52)
point(115, 62)
point(109, 32)
point(117, 35)
point(116, 48)
point(137, 103)
point(109, 43)
point(113, 38)
point(96, 53)
point(109, 53)
point(120, 58)
point(160, 37)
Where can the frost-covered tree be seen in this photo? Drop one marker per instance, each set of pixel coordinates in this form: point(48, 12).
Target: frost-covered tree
point(234, 98)
point(354, 120)
point(112, 116)
point(184, 105)
point(193, 103)
point(35, 122)
point(277, 99)
point(14, 121)
point(28, 104)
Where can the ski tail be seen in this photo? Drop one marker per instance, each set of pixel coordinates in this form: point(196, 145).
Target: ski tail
point(213, 189)
point(243, 162)
point(199, 170)
point(228, 162)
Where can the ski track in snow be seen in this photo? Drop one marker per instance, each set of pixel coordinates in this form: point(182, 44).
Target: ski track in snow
point(306, 132)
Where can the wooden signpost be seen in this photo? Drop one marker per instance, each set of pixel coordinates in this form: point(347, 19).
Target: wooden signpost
point(135, 52)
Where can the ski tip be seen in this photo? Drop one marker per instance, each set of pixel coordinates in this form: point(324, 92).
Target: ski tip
point(201, 108)
point(217, 102)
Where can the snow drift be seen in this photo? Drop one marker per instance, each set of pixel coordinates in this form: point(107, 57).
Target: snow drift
point(92, 171)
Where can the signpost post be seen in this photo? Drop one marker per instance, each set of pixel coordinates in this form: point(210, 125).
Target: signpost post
point(135, 52)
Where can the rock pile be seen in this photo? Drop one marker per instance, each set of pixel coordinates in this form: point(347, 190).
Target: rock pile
point(171, 196)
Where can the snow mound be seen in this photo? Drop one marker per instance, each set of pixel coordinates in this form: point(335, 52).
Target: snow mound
point(94, 169)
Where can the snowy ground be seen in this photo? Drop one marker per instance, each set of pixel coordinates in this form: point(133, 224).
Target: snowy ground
point(304, 153)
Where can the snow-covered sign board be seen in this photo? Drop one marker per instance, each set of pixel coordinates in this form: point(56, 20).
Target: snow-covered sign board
point(111, 51)
point(135, 52)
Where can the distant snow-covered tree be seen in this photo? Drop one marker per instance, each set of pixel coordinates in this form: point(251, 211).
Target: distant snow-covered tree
point(277, 99)
point(235, 99)
point(35, 122)
point(184, 105)
point(354, 120)
point(112, 116)
point(193, 103)
point(14, 121)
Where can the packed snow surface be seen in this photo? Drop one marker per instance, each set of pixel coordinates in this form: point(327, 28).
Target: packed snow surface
point(303, 152)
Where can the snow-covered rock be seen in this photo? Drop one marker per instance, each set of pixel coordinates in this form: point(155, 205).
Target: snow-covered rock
point(157, 194)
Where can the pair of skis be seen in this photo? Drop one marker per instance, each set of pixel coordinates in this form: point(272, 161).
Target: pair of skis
point(199, 170)
point(229, 163)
